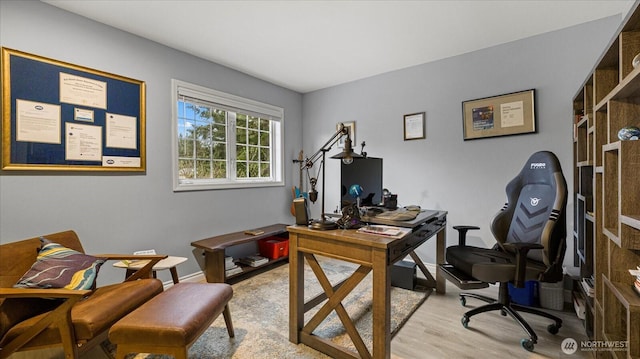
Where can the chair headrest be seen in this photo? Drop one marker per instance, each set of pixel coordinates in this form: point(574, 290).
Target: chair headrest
point(540, 168)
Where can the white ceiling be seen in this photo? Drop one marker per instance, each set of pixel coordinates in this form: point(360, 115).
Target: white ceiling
point(310, 45)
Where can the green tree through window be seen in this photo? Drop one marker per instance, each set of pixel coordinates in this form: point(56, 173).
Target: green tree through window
point(222, 146)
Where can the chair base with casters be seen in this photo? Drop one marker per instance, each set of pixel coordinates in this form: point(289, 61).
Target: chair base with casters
point(530, 233)
point(505, 306)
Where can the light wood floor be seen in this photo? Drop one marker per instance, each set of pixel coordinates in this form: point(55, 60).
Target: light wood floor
point(435, 331)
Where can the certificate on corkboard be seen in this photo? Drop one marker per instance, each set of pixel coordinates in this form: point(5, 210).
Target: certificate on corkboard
point(509, 114)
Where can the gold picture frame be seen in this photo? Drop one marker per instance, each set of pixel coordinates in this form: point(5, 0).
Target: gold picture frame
point(504, 115)
point(58, 116)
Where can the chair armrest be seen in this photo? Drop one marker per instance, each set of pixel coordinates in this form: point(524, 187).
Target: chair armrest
point(462, 234)
point(144, 272)
point(43, 293)
point(521, 250)
point(59, 317)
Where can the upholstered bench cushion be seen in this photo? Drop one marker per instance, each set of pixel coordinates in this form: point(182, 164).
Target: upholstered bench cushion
point(175, 318)
point(122, 297)
point(89, 317)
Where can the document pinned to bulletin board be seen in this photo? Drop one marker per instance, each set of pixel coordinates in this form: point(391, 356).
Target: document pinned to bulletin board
point(65, 117)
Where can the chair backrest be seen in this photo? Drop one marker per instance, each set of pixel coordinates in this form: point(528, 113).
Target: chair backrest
point(535, 212)
point(15, 260)
point(17, 257)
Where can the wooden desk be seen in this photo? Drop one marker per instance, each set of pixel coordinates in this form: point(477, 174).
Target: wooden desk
point(373, 253)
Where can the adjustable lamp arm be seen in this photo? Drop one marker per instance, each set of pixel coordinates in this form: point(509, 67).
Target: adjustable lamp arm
point(342, 131)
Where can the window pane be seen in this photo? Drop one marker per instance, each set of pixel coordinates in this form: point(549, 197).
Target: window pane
point(265, 154)
point(254, 137)
point(264, 125)
point(253, 122)
point(201, 130)
point(254, 169)
point(241, 170)
point(203, 151)
point(219, 169)
point(219, 133)
point(264, 138)
point(203, 169)
point(241, 153)
point(185, 169)
point(189, 111)
point(265, 169)
point(219, 151)
point(185, 147)
point(253, 153)
point(219, 116)
point(241, 120)
point(241, 135)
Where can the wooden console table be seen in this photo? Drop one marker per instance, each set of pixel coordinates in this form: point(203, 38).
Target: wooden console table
point(373, 253)
point(214, 251)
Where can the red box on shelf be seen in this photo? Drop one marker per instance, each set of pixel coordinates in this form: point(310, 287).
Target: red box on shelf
point(273, 247)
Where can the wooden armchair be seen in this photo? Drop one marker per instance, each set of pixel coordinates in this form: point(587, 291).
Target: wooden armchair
point(77, 320)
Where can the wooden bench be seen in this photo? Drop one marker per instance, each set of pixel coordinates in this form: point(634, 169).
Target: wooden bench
point(172, 321)
point(214, 252)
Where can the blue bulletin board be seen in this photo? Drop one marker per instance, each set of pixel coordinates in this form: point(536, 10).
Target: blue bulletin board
point(60, 116)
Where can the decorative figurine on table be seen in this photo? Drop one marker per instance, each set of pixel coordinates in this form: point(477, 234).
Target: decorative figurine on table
point(629, 133)
point(350, 217)
point(351, 213)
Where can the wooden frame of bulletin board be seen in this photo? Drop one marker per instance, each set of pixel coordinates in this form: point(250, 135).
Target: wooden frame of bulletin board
point(65, 117)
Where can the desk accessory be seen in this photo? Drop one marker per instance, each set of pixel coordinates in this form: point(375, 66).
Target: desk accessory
point(347, 155)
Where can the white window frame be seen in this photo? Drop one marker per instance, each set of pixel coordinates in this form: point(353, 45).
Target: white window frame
point(231, 102)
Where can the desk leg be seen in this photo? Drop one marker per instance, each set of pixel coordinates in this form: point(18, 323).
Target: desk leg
point(296, 290)
point(214, 266)
point(441, 242)
point(381, 305)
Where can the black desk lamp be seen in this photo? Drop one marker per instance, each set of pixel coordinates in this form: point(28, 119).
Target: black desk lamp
point(347, 155)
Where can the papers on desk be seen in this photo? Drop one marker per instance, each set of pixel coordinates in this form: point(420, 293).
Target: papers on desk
point(387, 231)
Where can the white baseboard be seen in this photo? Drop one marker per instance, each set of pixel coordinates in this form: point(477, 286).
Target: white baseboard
point(197, 277)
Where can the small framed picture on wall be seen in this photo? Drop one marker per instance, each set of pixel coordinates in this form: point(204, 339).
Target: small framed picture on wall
point(414, 128)
point(351, 130)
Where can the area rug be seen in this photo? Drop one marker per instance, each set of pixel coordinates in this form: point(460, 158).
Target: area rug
point(260, 314)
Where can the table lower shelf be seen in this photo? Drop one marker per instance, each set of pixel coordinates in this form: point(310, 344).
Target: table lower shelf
point(248, 271)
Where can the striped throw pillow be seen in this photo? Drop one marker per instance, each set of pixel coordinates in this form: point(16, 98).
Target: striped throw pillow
point(61, 267)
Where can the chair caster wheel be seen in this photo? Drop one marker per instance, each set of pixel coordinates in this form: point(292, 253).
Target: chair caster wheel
point(553, 328)
point(503, 312)
point(463, 301)
point(465, 321)
point(527, 344)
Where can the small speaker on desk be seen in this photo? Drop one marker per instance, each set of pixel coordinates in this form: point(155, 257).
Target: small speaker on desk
point(301, 210)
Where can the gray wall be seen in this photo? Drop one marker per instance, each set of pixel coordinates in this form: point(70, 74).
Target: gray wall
point(116, 213)
point(122, 213)
point(465, 178)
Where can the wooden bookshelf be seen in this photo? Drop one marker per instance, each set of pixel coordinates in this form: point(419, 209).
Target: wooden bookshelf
point(607, 191)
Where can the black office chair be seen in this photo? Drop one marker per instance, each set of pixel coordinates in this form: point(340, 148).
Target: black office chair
point(530, 231)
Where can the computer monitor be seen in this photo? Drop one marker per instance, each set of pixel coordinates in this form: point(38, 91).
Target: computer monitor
point(367, 172)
